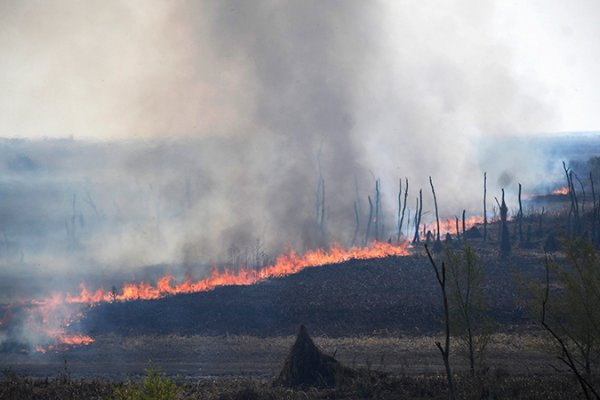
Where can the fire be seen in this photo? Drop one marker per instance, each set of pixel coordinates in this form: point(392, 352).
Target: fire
point(563, 191)
point(286, 264)
point(449, 225)
point(53, 315)
point(75, 340)
point(63, 342)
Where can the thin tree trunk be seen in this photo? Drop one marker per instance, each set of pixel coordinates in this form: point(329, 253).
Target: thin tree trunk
point(418, 215)
point(504, 235)
point(403, 210)
point(457, 231)
point(377, 211)
point(357, 226)
point(399, 209)
point(445, 350)
point(438, 245)
point(369, 222)
point(485, 222)
point(520, 217)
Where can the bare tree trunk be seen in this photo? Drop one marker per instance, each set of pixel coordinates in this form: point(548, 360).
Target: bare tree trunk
point(369, 222)
point(574, 204)
point(520, 217)
point(457, 231)
point(399, 209)
point(504, 235)
point(445, 350)
point(403, 210)
point(357, 226)
point(438, 244)
point(418, 214)
point(463, 223)
point(377, 211)
point(485, 222)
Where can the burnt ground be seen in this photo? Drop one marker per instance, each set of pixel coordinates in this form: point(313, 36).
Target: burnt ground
point(357, 297)
point(373, 315)
point(382, 313)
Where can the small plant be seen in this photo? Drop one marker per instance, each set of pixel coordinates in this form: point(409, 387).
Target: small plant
point(155, 386)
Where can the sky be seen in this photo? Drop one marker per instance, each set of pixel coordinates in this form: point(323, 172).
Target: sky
point(154, 69)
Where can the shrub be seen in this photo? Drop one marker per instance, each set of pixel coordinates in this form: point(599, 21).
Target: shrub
point(155, 386)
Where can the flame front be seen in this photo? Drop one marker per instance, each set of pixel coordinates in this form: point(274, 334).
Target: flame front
point(563, 191)
point(54, 314)
point(287, 264)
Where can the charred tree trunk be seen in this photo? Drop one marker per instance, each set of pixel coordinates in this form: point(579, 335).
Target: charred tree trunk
point(505, 247)
point(485, 222)
point(357, 223)
point(457, 231)
point(403, 209)
point(369, 221)
point(377, 211)
point(574, 210)
point(520, 217)
point(418, 214)
point(399, 209)
point(438, 244)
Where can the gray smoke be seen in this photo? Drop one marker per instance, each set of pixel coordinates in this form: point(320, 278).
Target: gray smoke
point(218, 118)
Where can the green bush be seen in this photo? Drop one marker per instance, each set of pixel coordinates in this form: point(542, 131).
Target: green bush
point(155, 386)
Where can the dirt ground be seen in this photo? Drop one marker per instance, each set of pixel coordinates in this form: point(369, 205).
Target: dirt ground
point(118, 357)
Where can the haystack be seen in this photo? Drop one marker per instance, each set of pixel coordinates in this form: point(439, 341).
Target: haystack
point(306, 365)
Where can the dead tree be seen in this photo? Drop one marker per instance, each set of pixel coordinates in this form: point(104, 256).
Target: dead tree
point(401, 215)
point(504, 235)
point(437, 247)
point(457, 231)
point(377, 211)
point(418, 214)
point(574, 210)
point(464, 227)
point(445, 350)
point(520, 216)
point(357, 223)
point(369, 221)
point(485, 222)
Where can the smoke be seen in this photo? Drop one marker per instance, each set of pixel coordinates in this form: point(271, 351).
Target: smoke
point(203, 128)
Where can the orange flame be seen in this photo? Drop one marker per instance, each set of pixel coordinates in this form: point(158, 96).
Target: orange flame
point(68, 308)
point(285, 265)
point(449, 225)
point(64, 342)
point(563, 191)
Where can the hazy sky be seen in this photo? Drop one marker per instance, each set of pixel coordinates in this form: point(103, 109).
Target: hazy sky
point(122, 69)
